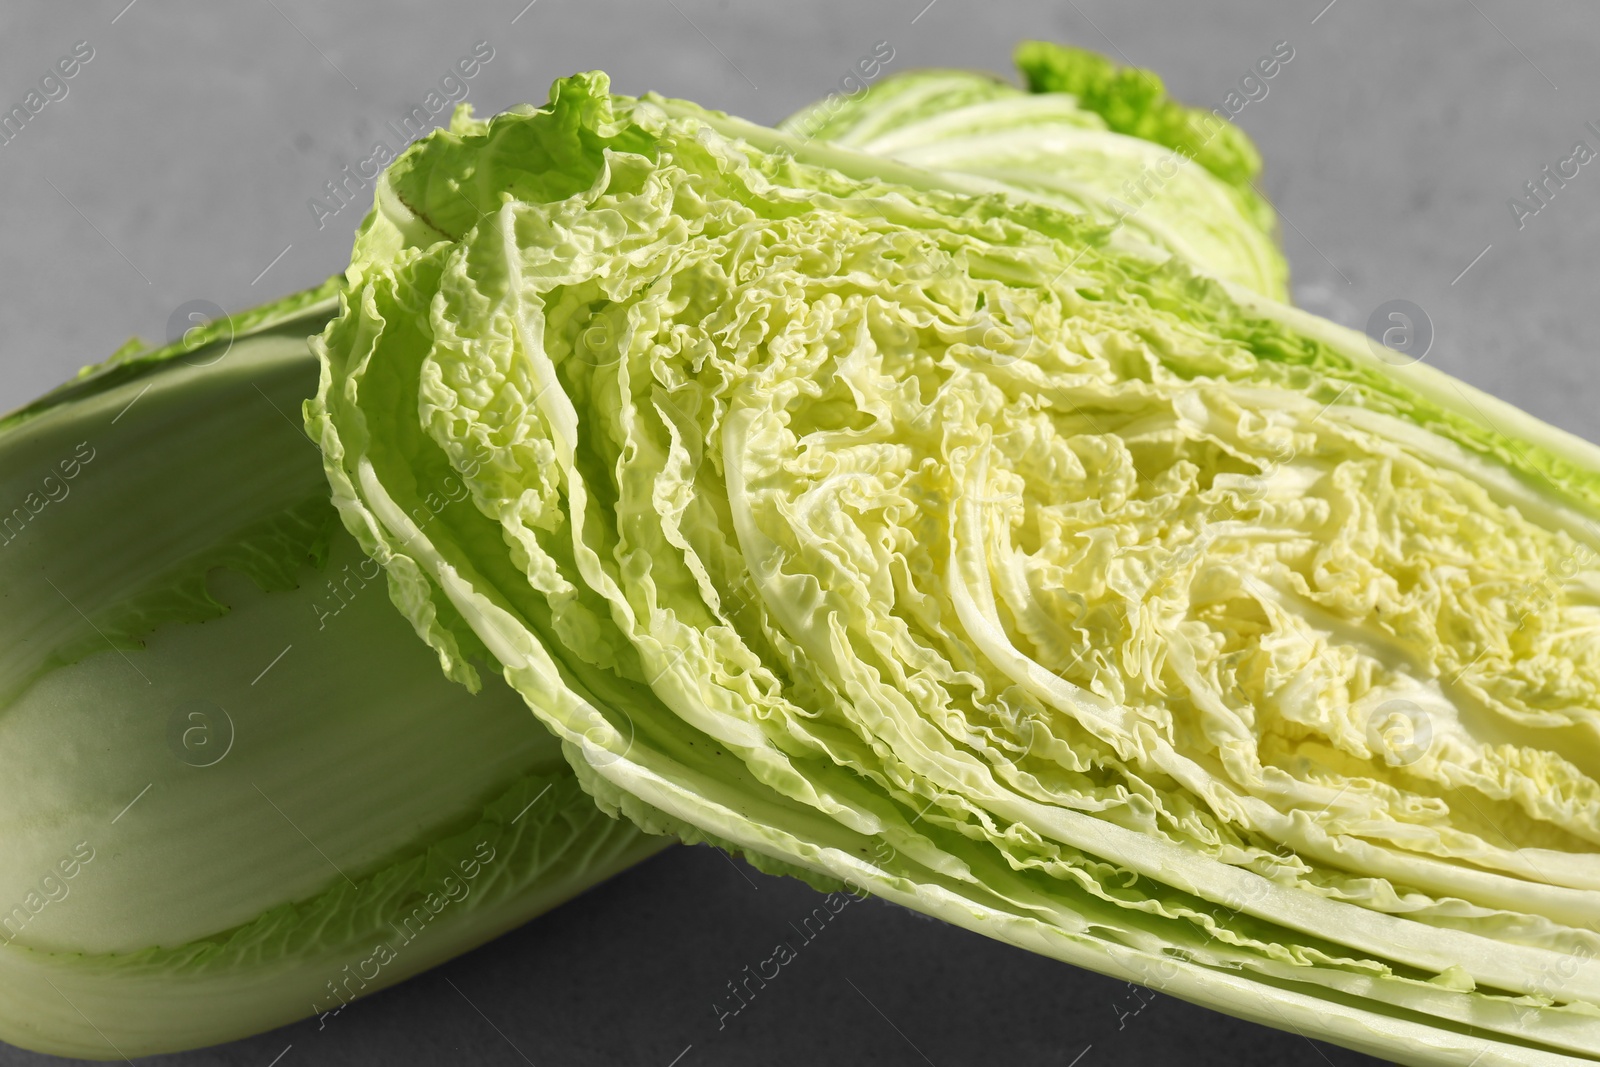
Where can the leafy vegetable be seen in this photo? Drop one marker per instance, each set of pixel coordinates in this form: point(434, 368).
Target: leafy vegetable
point(198, 430)
point(237, 790)
point(964, 549)
point(1092, 139)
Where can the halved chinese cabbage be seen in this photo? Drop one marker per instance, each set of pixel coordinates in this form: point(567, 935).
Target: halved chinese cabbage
point(991, 558)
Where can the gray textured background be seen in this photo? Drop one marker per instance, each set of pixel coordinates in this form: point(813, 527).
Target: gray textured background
point(180, 165)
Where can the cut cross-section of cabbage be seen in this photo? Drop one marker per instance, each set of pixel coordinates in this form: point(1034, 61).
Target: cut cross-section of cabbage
point(986, 556)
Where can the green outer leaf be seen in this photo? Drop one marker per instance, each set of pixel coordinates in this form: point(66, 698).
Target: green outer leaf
point(1120, 153)
point(195, 546)
point(135, 358)
point(312, 956)
point(1135, 102)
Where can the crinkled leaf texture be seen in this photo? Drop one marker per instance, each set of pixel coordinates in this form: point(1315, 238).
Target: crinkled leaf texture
point(231, 772)
point(986, 557)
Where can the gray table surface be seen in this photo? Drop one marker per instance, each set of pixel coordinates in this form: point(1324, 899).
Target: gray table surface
point(179, 167)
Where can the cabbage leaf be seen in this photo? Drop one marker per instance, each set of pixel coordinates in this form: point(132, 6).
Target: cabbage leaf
point(1092, 138)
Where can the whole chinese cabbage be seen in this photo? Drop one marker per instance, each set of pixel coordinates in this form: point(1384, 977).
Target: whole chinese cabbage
point(237, 790)
point(986, 555)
